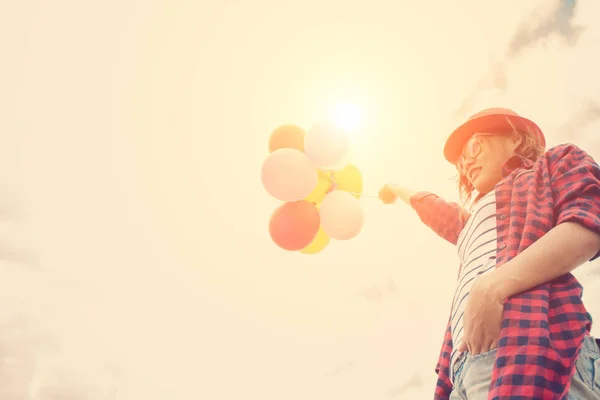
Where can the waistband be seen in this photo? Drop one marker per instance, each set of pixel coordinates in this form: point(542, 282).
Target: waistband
point(590, 344)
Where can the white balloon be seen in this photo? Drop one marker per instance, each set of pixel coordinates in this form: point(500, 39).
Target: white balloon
point(342, 216)
point(326, 144)
point(348, 158)
point(288, 175)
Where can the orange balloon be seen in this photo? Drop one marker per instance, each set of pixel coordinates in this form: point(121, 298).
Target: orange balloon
point(287, 136)
point(294, 225)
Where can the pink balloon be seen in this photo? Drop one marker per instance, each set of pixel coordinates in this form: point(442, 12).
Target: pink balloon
point(293, 226)
point(341, 214)
point(288, 175)
point(326, 145)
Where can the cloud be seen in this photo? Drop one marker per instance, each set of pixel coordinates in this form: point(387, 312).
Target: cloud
point(495, 79)
point(539, 26)
point(340, 368)
point(376, 293)
point(575, 125)
point(414, 382)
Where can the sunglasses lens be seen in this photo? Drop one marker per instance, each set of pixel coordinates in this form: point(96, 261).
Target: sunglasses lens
point(472, 148)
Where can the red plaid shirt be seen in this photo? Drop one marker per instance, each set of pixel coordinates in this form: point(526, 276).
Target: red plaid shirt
point(543, 328)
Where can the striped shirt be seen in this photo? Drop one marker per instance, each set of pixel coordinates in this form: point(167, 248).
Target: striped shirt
point(477, 252)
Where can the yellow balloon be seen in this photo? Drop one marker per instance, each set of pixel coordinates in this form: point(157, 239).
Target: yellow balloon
point(318, 244)
point(325, 175)
point(349, 179)
point(320, 190)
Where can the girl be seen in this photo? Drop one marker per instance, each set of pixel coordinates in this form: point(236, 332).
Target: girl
point(517, 326)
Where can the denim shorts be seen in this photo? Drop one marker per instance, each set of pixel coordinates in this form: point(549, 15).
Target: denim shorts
point(473, 375)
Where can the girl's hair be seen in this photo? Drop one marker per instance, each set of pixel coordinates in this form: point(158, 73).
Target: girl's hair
point(530, 148)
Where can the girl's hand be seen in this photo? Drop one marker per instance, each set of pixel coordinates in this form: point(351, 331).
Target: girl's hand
point(387, 195)
point(483, 316)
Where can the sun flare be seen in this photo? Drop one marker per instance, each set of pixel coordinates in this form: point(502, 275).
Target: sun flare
point(347, 116)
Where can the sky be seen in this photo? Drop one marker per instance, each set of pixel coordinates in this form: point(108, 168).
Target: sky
point(133, 133)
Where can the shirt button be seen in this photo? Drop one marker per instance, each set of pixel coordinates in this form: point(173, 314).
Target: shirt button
point(503, 217)
point(502, 246)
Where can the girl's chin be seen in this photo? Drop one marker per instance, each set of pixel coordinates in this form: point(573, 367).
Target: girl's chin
point(482, 187)
point(479, 184)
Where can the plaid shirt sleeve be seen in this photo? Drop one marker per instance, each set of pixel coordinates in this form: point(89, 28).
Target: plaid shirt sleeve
point(575, 180)
point(441, 216)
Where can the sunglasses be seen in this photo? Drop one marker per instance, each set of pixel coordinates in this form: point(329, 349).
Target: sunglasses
point(471, 151)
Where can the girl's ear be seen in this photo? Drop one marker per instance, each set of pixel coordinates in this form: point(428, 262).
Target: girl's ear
point(516, 139)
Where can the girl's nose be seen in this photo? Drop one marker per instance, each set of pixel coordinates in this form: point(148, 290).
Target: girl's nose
point(467, 163)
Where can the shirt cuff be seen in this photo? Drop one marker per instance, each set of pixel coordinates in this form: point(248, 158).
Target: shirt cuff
point(418, 197)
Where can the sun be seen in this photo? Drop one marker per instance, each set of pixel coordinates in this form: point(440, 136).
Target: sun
point(347, 116)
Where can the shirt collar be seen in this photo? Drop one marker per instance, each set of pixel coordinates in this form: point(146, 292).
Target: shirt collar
point(515, 162)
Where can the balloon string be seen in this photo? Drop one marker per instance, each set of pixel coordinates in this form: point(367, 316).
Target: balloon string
point(333, 187)
point(361, 194)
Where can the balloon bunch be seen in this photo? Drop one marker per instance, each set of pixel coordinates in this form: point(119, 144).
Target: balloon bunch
point(306, 171)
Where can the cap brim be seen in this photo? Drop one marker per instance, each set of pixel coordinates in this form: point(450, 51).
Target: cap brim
point(494, 123)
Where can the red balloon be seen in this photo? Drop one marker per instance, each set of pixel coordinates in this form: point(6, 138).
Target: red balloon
point(287, 137)
point(294, 225)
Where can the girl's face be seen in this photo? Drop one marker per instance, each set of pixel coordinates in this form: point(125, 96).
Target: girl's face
point(482, 159)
